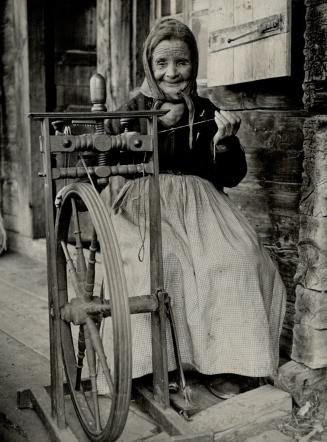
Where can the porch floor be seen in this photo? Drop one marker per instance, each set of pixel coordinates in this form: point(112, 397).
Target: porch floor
point(24, 362)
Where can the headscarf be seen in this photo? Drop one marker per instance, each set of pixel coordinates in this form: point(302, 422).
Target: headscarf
point(170, 29)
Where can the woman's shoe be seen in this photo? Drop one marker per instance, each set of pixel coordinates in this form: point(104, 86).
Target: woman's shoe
point(223, 389)
point(229, 385)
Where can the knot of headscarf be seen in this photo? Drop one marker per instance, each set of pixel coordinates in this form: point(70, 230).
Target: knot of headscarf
point(169, 29)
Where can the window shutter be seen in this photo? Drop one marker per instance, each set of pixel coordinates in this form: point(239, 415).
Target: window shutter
point(248, 40)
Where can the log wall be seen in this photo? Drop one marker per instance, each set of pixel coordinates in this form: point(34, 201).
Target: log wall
point(273, 116)
point(23, 91)
point(47, 59)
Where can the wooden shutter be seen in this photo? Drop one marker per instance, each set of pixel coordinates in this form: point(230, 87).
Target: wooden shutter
point(248, 40)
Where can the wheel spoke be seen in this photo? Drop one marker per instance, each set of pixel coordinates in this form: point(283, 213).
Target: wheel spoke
point(72, 270)
point(80, 260)
point(90, 272)
point(80, 357)
point(98, 346)
point(90, 355)
point(102, 292)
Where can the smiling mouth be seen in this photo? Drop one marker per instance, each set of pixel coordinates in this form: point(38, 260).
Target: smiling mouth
point(179, 83)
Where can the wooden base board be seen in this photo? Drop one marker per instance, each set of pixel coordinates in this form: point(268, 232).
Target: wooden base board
point(220, 422)
point(39, 400)
point(225, 418)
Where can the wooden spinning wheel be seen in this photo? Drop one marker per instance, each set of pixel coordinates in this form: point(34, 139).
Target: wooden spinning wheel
point(86, 281)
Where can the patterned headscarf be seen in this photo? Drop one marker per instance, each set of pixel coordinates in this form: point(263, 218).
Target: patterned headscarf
point(170, 29)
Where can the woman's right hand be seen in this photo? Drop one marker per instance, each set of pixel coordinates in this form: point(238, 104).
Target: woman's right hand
point(171, 118)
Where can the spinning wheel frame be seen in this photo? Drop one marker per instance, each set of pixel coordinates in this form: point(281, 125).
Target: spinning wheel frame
point(51, 145)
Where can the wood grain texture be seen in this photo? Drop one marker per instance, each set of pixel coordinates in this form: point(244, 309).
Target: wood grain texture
point(115, 60)
point(310, 330)
point(265, 58)
point(242, 410)
point(300, 381)
point(270, 193)
point(315, 67)
point(311, 271)
point(309, 346)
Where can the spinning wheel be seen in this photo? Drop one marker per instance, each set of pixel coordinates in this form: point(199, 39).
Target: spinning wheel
point(86, 281)
point(98, 290)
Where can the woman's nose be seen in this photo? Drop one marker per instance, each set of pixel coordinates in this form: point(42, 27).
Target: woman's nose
point(171, 70)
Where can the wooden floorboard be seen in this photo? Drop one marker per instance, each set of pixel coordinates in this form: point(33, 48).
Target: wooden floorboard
point(24, 349)
point(20, 367)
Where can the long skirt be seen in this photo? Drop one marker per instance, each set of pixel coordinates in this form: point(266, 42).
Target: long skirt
point(227, 295)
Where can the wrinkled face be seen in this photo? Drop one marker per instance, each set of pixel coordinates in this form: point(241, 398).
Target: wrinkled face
point(171, 67)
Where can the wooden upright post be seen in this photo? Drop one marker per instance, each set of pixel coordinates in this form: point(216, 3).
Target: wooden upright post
point(159, 341)
point(310, 329)
point(114, 55)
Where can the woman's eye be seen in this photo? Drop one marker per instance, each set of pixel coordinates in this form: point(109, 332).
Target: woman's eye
point(161, 63)
point(183, 62)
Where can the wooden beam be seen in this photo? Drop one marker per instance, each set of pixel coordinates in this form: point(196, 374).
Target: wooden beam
point(114, 54)
point(300, 381)
point(315, 65)
point(310, 330)
point(30, 95)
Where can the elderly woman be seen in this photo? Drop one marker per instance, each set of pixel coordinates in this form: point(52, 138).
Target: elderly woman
point(227, 295)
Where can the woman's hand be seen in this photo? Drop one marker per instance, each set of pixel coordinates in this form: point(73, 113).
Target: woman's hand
point(176, 111)
point(228, 124)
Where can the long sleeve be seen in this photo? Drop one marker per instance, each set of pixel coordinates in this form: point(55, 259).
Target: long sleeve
point(230, 165)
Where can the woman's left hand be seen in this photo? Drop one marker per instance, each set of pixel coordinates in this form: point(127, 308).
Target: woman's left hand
point(228, 124)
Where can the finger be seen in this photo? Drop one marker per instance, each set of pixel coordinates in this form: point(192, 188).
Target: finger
point(234, 120)
point(219, 118)
point(223, 125)
point(231, 117)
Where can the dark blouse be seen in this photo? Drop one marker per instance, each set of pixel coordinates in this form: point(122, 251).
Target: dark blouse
point(175, 155)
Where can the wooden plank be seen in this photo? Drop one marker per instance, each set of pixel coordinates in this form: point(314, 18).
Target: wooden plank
point(276, 61)
point(115, 60)
point(41, 403)
point(167, 418)
point(311, 327)
point(315, 85)
point(311, 308)
point(309, 346)
point(270, 436)
point(244, 409)
point(25, 318)
point(243, 55)
point(30, 94)
point(221, 15)
point(21, 367)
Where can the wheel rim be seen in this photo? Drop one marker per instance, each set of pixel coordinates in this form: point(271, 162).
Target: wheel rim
point(99, 425)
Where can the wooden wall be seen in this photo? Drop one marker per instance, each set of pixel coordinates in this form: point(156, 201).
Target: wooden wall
point(273, 116)
point(47, 58)
point(310, 330)
point(22, 83)
point(73, 31)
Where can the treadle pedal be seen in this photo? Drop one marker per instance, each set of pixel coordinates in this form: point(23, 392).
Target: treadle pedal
point(179, 403)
